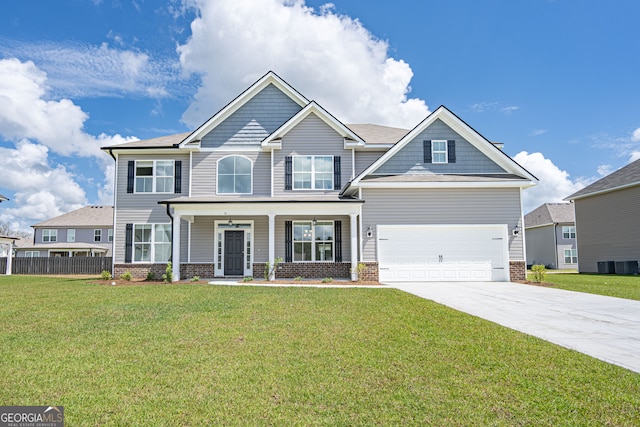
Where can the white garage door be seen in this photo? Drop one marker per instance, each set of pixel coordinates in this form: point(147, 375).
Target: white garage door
point(443, 253)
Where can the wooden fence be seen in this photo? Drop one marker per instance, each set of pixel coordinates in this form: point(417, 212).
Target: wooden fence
point(57, 265)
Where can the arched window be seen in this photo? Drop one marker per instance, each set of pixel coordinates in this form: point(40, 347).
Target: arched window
point(234, 175)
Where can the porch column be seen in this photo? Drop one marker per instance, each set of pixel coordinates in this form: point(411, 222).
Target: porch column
point(272, 241)
point(175, 248)
point(9, 257)
point(354, 246)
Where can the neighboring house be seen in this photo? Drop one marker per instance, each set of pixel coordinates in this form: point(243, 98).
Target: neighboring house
point(86, 231)
point(608, 222)
point(273, 176)
point(550, 232)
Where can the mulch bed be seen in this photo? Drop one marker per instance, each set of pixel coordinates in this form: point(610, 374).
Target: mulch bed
point(143, 282)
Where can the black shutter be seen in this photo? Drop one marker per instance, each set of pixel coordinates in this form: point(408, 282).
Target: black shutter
point(128, 243)
point(427, 151)
point(337, 180)
point(337, 230)
point(131, 172)
point(177, 177)
point(451, 151)
point(288, 166)
point(288, 241)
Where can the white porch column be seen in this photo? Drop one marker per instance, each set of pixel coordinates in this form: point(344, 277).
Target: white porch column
point(175, 256)
point(9, 257)
point(272, 240)
point(354, 246)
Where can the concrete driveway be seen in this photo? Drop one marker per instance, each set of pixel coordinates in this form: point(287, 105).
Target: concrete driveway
point(603, 327)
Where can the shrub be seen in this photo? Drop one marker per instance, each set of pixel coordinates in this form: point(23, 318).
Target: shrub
point(538, 272)
point(126, 276)
point(247, 279)
point(327, 280)
point(195, 278)
point(298, 278)
point(105, 275)
point(167, 277)
point(270, 270)
point(151, 276)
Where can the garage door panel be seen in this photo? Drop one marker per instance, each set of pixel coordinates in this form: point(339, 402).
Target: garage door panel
point(442, 253)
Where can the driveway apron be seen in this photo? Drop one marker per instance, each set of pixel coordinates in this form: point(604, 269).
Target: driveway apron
point(606, 328)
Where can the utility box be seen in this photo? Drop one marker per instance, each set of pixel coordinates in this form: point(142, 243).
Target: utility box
point(606, 267)
point(626, 267)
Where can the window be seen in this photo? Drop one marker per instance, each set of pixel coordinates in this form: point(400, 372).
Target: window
point(313, 243)
point(234, 175)
point(313, 172)
point(49, 235)
point(154, 176)
point(110, 235)
point(569, 232)
point(32, 254)
point(151, 242)
point(97, 235)
point(71, 235)
point(570, 256)
point(439, 151)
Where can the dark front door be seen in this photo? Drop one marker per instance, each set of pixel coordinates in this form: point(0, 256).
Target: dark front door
point(233, 253)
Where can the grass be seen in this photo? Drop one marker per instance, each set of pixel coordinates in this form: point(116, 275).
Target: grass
point(620, 286)
point(203, 355)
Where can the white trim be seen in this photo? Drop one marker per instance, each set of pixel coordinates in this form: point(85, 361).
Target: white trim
point(434, 152)
point(608, 190)
point(190, 172)
point(153, 176)
point(220, 226)
point(313, 240)
point(448, 184)
point(243, 98)
point(276, 208)
point(312, 172)
point(151, 243)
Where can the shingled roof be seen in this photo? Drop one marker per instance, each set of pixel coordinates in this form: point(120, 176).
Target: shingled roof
point(550, 213)
point(628, 176)
point(89, 216)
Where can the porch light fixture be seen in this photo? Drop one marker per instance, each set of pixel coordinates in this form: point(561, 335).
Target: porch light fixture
point(314, 221)
point(516, 230)
point(369, 231)
point(230, 223)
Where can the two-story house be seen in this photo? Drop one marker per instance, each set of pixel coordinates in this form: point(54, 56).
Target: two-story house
point(87, 231)
point(274, 177)
point(550, 232)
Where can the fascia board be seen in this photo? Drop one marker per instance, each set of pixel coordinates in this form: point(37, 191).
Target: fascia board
point(298, 208)
point(154, 150)
point(243, 98)
point(505, 184)
point(608, 190)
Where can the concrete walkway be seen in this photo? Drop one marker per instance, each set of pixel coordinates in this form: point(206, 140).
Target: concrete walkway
point(603, 327)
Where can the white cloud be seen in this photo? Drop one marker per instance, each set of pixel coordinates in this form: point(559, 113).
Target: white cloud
point(538, 132)
point(604, 170)
point(635, 155)
point(40, 127)
point(635, 136)
point(510, 109)
point(328, 57)
point(554, 185)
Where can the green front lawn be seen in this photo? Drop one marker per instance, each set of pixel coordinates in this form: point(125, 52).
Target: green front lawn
point(603, 284)
point(213, 355)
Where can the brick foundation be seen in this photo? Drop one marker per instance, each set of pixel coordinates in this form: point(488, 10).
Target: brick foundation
point(368, 272)
point(203, 271)
point(140, 271)
point(517, 270)
point(307, 270)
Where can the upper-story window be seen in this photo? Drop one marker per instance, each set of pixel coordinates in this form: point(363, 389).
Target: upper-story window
point(568, 232)
point(71, 235)
point(110, 235)
point(312, 172)
point(154, 176)
point(234, 175)
point(439, 151)
point(97, 235)
point(50, 235)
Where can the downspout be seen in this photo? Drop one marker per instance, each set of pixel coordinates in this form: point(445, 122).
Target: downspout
point(555, 244)
point(111, 154)
point(170, 216)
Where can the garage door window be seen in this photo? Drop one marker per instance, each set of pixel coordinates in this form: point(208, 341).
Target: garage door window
point(313, 242)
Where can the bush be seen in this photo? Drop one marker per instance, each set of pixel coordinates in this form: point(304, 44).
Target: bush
point(105, 275)
point(538, 272)
point(247, 279)
point(167, 277)
point(298, 278)
point(270, 270)
point(327, 280)
point(195, 278)
point(126, 276)
point(151, 276)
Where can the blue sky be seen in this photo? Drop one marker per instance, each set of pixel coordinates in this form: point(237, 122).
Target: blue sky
point(555, 81)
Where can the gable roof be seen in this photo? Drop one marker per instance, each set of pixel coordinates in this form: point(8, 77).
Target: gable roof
point(313, 108)
point(464, 130)
point(378, 135)
point(550, 213)
point(167, 141)
point(243, 98)
point(89, 216)
point(627, 176)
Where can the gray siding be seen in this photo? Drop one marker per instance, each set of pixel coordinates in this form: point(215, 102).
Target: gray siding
point(364, 159)
point(608, 228)
point(409, 159)
point(312, 136)
point(204, 180)
point(254, 121)
point(541, 248)
point(442, 206)
point(142, 208)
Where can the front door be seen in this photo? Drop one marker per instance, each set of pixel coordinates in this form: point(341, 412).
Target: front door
point(233, 253)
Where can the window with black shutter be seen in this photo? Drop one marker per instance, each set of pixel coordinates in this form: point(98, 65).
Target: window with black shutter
point(337, 180)
point(288, 241)
point(131, 172)
point(426, 145)
point(338, 239)
point(177, 180)
point(128, 243)
point(288, 172)
point(451, 151)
